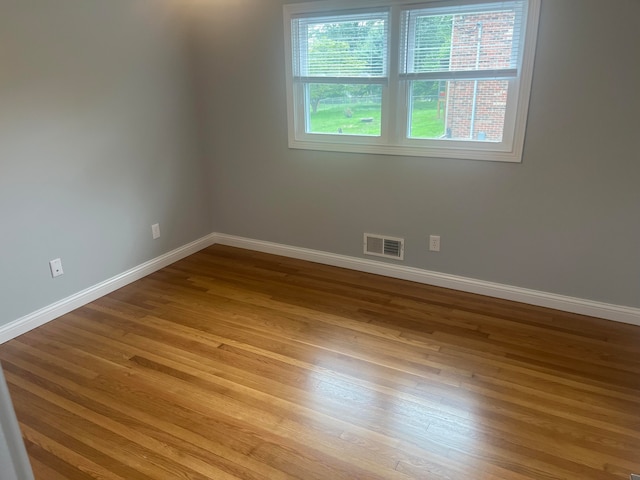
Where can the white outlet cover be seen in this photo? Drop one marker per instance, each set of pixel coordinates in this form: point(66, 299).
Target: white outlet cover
point(434, 243)
point(155, 230)
point(56, 267)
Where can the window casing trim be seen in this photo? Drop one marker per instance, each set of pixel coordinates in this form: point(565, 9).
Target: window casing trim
point(395, 98)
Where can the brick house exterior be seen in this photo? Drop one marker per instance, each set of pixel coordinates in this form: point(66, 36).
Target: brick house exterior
point(483, 39)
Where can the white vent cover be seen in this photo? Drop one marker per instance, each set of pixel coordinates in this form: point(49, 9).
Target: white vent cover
point(381, 246)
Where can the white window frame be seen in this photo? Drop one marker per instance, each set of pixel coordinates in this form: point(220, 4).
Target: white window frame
point(394, 139)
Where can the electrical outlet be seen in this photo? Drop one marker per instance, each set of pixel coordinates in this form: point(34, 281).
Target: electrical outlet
point(56, 267)
point(434, 243)
point(155, 230)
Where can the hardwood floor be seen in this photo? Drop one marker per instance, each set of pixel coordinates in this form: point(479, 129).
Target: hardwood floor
point(233, 364)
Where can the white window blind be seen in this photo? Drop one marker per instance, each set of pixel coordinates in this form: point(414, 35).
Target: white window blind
point(344, 48)
point(477, 41)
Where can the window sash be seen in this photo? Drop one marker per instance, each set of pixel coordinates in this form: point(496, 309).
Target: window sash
point(505, 74)
point(327, 61)
point(462, 144)
point(302, 113)
point(346, 80)
point(413, 57)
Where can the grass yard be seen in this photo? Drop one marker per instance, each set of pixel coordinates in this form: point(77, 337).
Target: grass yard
point(332, 119)
point(425, 122)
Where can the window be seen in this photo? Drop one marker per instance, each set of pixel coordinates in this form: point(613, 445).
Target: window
point(438, 79)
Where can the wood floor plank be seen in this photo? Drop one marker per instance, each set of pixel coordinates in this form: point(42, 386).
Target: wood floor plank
point(232, 364)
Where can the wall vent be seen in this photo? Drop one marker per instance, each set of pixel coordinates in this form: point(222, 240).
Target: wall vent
point(381, 246)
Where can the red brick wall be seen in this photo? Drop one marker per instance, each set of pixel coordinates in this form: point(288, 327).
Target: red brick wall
point(495, 52)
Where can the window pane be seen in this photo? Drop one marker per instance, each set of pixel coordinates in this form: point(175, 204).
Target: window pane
point(352, 45)
point(344, 109)
point(428, 109)
point(459, 110)
point(432, 43)
point(484, 41)
point(462, 38)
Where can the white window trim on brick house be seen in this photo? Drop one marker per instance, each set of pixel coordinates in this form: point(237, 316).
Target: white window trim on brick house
point(394, 138)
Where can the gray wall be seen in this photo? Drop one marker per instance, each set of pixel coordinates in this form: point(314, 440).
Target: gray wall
point(98, 140)
point(563, 221)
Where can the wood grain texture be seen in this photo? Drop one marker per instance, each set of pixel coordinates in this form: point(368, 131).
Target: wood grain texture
point(233, 364)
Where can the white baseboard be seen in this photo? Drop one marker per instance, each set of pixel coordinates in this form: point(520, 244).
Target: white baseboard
point(532, 297)
point(66, 305)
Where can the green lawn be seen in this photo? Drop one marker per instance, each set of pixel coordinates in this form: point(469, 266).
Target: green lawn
point(332, 119)
point(425, 122)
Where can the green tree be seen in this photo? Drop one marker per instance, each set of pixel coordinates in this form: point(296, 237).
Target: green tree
point(323, 91)
point(344, 49)
point(432, 50)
